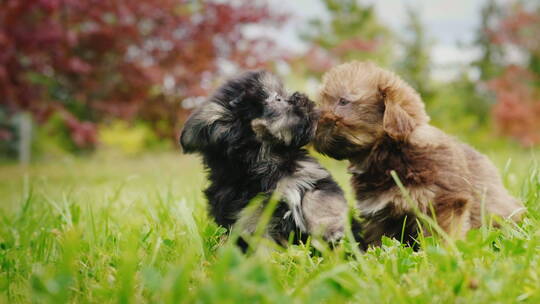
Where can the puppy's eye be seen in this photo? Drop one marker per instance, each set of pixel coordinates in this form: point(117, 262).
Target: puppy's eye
point(343, 102)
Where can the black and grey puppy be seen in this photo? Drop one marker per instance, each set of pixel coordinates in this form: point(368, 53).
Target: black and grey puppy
point(250, 134)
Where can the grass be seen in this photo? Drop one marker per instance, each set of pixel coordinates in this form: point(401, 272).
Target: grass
point(136, 230)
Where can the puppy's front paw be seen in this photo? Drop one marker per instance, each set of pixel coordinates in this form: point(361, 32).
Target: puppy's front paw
point(333, 234)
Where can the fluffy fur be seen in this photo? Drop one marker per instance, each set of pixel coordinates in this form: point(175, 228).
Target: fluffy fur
point(250, 134)
point(378, 122)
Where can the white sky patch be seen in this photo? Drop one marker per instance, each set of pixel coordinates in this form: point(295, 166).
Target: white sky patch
point(449, 61)
point(448, 23)
point(300, 12)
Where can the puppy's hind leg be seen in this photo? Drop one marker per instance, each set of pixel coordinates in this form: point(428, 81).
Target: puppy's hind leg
point(325, 214)
point(453, 214)
point(402, 227)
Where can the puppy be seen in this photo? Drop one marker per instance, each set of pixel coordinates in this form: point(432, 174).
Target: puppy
point(378, 122)
point(250, 134)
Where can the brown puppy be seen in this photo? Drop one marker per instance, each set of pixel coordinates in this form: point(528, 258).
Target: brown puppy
point(377, 121)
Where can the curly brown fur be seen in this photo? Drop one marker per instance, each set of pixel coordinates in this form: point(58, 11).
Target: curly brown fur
point(377, 121)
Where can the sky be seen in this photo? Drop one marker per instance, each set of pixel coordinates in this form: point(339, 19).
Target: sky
point(448, 23)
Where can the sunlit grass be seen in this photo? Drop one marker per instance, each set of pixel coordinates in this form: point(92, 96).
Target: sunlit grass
point(136, 230)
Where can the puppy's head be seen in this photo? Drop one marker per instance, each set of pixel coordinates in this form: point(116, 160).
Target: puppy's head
point(286, 122)
point(361, 103)
point(252, 108)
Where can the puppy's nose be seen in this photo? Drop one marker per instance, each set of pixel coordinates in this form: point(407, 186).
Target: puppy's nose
point(327, 119)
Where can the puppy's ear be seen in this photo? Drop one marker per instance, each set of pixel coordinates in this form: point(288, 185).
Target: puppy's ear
point(206, 127)
point(292, 129)
point(397, 123)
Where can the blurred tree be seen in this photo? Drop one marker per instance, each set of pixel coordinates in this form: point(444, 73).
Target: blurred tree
point(517, 110)
point(351, 31)
point(415, 65)
point(87, 61)
point(490, 61)
point(476, 99)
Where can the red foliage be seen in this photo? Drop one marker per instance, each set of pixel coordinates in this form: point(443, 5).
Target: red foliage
point(316, 60)
point(90, 60)
point(517, 112)
point(355, 44)
point(521, 28)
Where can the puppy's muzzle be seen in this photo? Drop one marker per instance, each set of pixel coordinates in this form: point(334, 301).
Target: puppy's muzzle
point(328, 120)
point(328, 138)
point(325, 130)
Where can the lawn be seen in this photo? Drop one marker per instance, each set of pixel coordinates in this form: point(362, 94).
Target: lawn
point(116, 229)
